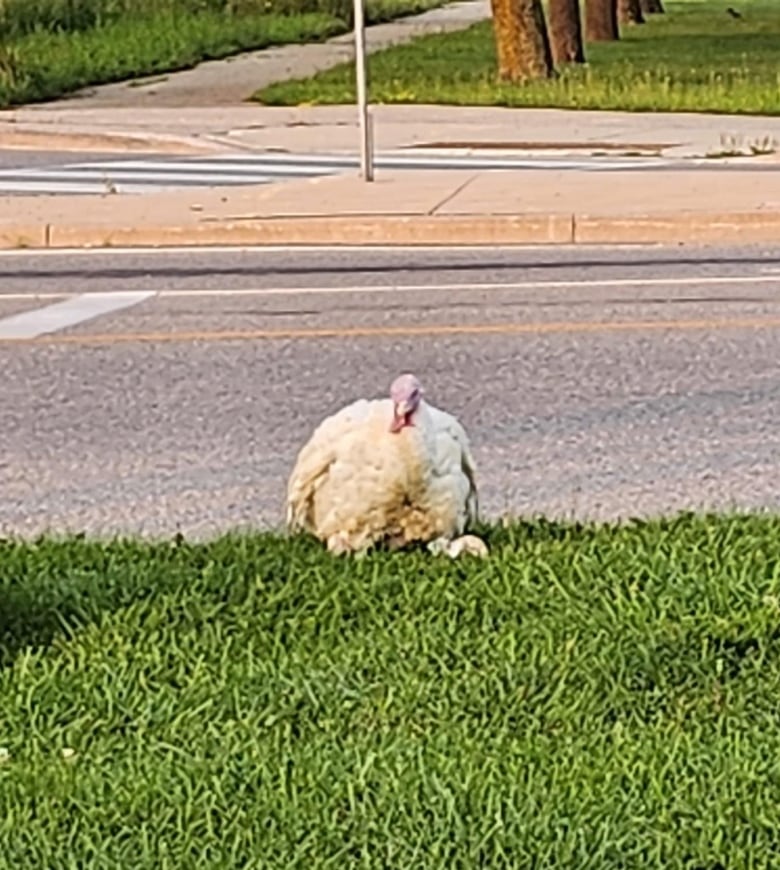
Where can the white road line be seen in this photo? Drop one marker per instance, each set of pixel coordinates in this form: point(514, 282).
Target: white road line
point(119, 185)
point(370, 289)
point(85, 306)
point(185, 167)
point(433, 157)
point(463, 287)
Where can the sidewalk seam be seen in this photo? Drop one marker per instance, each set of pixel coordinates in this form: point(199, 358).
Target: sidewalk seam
point(459, 189)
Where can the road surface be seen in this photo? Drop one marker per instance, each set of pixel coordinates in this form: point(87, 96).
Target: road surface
point(594, 382)
point(36, 173)
point(153, 173)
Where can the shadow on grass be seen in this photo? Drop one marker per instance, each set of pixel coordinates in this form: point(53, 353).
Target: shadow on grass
point(50, 587)
point(53, 587)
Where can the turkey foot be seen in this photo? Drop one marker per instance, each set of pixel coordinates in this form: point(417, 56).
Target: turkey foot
point(469, 544)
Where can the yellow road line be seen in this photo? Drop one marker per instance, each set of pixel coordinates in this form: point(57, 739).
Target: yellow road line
point(215, 336)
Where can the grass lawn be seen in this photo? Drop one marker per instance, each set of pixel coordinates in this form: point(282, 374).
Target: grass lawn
point(694, 58)
point(55, 47)
point(588, 697)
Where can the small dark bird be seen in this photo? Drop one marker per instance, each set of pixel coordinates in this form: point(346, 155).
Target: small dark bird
point(733, 13)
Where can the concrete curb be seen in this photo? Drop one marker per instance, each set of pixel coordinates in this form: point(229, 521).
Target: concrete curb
point(702, 227)
point(408, 230)
point(132, 143)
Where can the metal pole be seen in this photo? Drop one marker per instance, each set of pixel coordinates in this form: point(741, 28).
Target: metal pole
point(366, 145)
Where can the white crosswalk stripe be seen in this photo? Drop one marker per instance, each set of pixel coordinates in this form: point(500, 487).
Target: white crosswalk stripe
point(157, 174)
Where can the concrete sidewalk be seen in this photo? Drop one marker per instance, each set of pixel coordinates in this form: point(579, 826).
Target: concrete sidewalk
point(318, 129)
point(401, 207)
point(409, 207)
point(417, 207)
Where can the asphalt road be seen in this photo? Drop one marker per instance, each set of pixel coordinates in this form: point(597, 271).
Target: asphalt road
point(36, 173)
point(594, 382)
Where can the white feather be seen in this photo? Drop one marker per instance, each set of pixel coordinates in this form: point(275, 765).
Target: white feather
point(355, 483)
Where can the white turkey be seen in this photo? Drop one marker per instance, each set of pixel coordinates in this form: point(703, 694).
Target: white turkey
point(387, 471)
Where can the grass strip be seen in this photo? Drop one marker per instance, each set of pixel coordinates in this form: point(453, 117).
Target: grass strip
point(589, 696)
point(46, 62)
point(695, 58)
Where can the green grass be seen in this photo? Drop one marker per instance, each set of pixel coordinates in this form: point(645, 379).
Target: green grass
point(694, 58)
point(18, 17)
point(50, 48)
point(588, 697)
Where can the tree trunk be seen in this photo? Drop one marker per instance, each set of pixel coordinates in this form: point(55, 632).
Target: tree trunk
point(566, 31)
point(651, 7)
point(601, 20)
point(522, 43)
point(630, 12)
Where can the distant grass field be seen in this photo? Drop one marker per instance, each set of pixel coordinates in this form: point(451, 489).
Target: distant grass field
point(588, 697)
point(694, 58)
point(52, 47)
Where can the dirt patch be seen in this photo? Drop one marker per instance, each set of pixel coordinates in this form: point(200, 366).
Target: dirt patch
point(623, 147)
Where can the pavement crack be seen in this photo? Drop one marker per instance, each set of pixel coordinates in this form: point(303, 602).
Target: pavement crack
point(459, 189)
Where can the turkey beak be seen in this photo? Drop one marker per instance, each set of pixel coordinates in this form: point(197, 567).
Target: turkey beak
point(399, 414)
